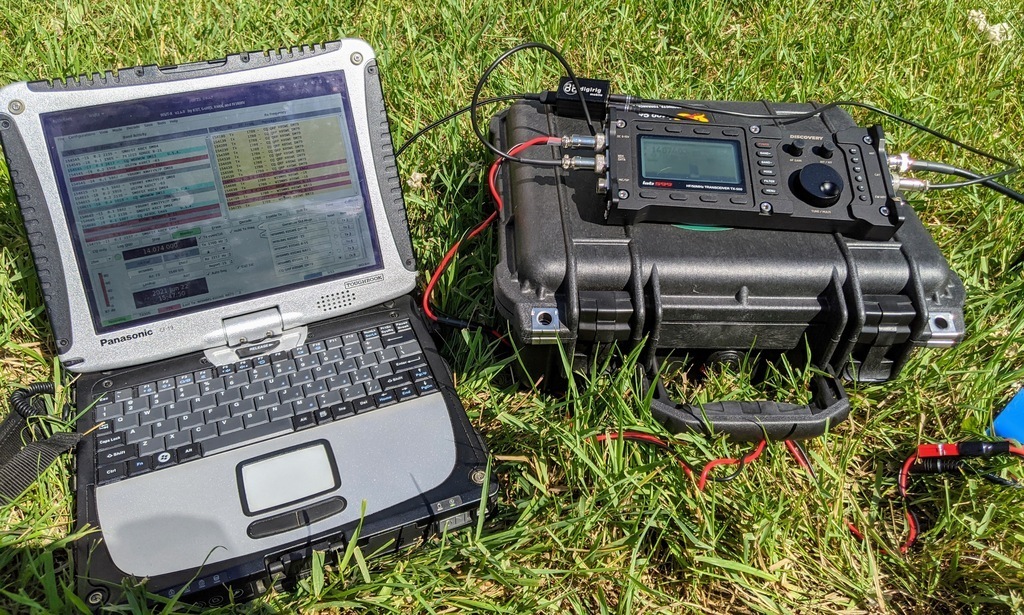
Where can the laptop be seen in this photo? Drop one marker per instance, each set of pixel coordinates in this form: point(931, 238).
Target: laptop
point(225, 260)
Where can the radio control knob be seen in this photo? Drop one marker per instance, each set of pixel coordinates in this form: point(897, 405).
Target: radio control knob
point(796, 147)
point(819, 184)
point(826, 149)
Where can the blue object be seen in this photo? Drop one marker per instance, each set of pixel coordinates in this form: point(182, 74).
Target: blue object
point(1009, 423)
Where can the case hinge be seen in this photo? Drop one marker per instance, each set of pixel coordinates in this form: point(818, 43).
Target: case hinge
point(887, 326)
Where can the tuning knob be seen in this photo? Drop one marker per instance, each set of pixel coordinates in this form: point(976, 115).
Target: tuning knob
point(796, 147)
point(826, 149)
point(819, 185)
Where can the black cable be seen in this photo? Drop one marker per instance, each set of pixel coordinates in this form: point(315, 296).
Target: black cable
point(451, 116)
point(946, 169)
point(729, 477)
point(972, 182)
point(796, 117)
point(487, 74)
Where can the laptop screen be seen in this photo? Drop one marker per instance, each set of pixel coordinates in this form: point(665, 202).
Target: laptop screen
point(182, 202)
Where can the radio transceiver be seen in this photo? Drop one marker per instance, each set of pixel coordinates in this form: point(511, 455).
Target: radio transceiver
point(738, 166)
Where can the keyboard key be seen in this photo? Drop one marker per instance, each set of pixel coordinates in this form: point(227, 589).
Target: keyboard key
point(314, 388)
point(110, 473)
point(226, 426)
point(216, 413)
point(254, 418)
point(114, 455)
point(243, 365)
point(278, 383)
point(408, 349)
point(386, 330)
point(164, 460)
point(108, 441)
point(367, 360)
point(203, 375)
point(121, 423)
point(403, 325)
point(380, 371)
point(353, 392)
point(236, 380)
point(305, 405)
point(261, 373)
point(352, 351)
point(425, 386)
point(133, 435)
point(408, 362)
point(406, 392)
point(332, 356)
point(323, 415)
point(186, 391)
point(338, 382)
point(165, 384)
point(395, 381)
point(322, 372)
point(152, 415)
point(340, 411)
point(316, 347)
point(254, 389)
point(104, 399)
point(109, 411)
point(420, 373)
point(189, 451)
point(329, 398)
point(186, 379)
point(281, 412)
point(333, 342)
point(280, 355)
point(350, 338)
point(364, 405)
point(372, 345)
point(388, 354)
point(302, 377)
point(261, 361)
point(347, 366)
point(178, 438)
point(303, 421)
point(211, 386)
point(238, 408)
point(398, 338)
point(370, 334)
point(372, 387)
point(204, 432)
point(135, 405)
point(262, 402)
point(204, 402)
point(228, 396)
point(246, 436)
point(161, 398)
point(291, 394)
point(162, 428)
point(122, 395)
point(300, 351)
point(307, 362)
point(361, 375)
point(283, 368)
point(190, 420)
point(224, 370)
point(140, 466)
point(147, 389)
point(385, 399)
point(151, 447)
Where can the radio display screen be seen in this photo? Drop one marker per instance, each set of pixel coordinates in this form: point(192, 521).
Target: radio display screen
point(692, 162)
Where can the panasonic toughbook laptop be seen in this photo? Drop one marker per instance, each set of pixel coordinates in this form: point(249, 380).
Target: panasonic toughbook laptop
point(224, 256)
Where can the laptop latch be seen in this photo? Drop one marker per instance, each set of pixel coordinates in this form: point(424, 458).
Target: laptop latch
point(255, 334)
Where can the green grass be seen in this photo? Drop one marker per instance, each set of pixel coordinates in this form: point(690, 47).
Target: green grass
point(588, 528)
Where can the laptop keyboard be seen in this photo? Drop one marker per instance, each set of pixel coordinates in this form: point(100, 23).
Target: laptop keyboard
point(155, 425)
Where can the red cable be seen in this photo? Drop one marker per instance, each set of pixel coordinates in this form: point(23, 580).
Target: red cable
point(639, 436)
point(479, 228)
point(728, 461)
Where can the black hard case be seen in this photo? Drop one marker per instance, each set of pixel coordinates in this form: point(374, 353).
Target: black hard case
point(858, 307)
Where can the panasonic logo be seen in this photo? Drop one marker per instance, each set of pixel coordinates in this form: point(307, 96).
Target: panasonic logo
point(110, 341)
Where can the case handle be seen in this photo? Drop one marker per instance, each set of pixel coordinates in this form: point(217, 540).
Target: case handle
point(751, 421)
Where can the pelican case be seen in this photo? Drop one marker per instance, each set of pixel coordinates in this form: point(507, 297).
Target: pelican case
point(566, 276)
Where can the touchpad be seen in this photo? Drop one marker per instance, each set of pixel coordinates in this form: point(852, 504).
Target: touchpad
point(286, 477)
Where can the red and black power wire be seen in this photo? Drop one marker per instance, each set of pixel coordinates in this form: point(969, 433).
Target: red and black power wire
point(926, 459)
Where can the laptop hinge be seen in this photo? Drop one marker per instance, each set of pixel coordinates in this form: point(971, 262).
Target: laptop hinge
point(255, 334)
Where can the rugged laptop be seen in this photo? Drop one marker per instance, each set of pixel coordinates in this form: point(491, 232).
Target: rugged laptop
point(225, 259)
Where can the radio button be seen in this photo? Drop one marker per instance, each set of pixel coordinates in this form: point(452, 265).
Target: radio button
point(739, 200)
point(769, 191)
point(673, 128)
point(861, 188)
point(702, 131)
point(762, 144)
point(863, 197)
point(767, 172)
point(765, 153)
point(708, 198)
point(731, 132)
point(645, 127)
point(858, 169)
point(766, 163)
point(677, 196)
point(859, 178)
point(646, 194)
point(769, 182)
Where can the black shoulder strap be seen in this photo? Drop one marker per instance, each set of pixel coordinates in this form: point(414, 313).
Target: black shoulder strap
point(21, 464)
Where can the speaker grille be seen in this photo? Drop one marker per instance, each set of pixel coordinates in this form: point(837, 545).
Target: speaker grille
point(335, 301)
